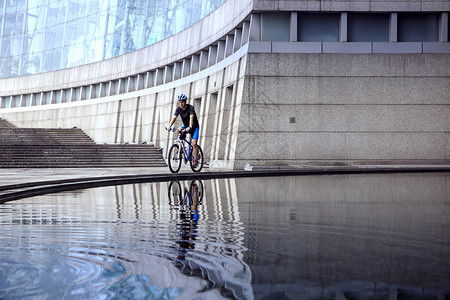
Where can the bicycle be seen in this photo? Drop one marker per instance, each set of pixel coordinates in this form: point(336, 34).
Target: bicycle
point(177, 197)
point(180, 152)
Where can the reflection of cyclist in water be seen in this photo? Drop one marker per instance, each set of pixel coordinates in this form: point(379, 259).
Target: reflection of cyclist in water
point(188, 216)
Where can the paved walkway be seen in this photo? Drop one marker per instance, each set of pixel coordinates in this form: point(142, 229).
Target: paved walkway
point(20, 176)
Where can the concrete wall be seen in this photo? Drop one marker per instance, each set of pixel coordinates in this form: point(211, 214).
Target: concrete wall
point(345, 109)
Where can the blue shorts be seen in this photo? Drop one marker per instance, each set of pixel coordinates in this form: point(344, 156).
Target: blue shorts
point(196, 133)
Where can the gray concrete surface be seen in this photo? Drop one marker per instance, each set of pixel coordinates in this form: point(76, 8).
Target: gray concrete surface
point(22, 176)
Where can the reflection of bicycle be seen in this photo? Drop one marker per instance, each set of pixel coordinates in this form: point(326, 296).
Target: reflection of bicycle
point(187, 214)
point(180, 152)
point(177, 198)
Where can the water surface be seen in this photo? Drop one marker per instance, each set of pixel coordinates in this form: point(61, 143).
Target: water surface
point(306, 237)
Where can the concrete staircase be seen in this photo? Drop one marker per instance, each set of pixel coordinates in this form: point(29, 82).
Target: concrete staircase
point(68, 148)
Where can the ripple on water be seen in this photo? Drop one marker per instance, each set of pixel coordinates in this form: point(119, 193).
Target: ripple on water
point(109, 260)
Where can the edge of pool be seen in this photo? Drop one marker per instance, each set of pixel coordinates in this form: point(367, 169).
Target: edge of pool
point(78, 180)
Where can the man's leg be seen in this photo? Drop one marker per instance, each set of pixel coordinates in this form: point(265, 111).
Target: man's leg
point(194, 150)
point(194, 145)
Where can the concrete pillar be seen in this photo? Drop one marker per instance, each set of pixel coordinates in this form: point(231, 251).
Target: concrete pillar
point(293, 31)
point(150, 78)
point(186, 67)
point(393, 28)
point(443, 27)
point(203, 59)
point(220, 51)
point(343, 27)
point(212, 55)
point(195, 63)
point(159, 77)
point(237, 41)
point(245, 33)
point(229, 43)
point(141, 81)
point(177, 70)
point(255, 28)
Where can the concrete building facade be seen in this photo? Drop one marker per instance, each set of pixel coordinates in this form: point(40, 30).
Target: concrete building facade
point(273, 83)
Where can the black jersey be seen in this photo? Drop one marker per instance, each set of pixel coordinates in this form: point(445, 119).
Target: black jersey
point(185, 115)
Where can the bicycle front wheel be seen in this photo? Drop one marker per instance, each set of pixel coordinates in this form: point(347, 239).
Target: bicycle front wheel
point(197, 167)
point(174, 158)
point(174, 193)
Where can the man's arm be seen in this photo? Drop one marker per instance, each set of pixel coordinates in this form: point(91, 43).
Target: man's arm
point(174, 118)
point(191, 121)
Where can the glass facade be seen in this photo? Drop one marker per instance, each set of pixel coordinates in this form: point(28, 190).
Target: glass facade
point(45, 35)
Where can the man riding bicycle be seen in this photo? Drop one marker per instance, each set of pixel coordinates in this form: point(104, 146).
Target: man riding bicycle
point(190, 122)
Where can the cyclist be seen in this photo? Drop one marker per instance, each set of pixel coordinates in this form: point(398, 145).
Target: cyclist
point(190, 122)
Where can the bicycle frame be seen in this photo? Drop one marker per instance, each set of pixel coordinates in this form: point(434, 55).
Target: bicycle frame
point(183, 147)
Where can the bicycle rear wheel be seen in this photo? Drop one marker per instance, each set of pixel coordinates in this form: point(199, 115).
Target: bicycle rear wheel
point(196, 187)
point(198, 167)
point(174, 158)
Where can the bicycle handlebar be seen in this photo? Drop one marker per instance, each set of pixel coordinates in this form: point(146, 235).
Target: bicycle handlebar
point(174, 129)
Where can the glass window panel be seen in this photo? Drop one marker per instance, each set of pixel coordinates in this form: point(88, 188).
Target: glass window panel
point(46, 98)
point(28, 100)
point(62, 8)
point(52, 16)
point(71, 29)
point(41, 18)
point(7, 102)
point(82, 9)
point(72, 11)
point(80, 29)
point(368, 27)
point(18, 25)
point(10, 19)
point(5, 66)
point(275, 26)
point(37, 98)
point(77, 95)
point(318, 27)
point(16, 101)
point(15, 62)
point(6, 47)
point(37, 43)
point(59, 36)
point(57, 96)
point(49, 39)
point(418, 27)
point(36, 62)
point(16, 46)
point(31, 23)
point(57, 54)
point(26, 65)
point(66, 95)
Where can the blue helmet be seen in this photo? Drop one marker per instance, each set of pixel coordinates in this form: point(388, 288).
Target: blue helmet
point(182, 97)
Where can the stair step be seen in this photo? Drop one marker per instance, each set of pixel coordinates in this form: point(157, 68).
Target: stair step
point(42, 147)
